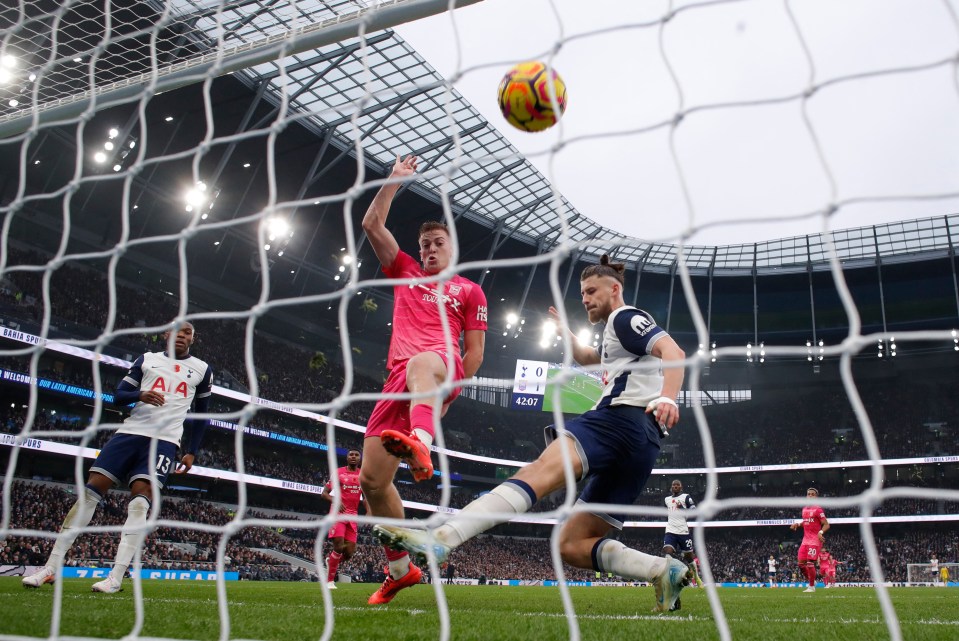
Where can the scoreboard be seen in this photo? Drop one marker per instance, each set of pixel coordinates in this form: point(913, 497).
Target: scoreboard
point(534, 386)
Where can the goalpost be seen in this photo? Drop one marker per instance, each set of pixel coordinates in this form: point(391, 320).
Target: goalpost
point(928, 574)
point(331, 67)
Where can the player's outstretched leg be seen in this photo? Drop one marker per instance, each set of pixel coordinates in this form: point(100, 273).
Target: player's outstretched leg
point(411, 450)
point(416, 542)
point(45, 574)
point(108, 585)
point(670, 583)
point(392, 586)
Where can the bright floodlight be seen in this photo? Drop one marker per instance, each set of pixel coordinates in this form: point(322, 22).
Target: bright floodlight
point(114, 132)
point(9, 62)
point(584, 336)
point(548, 333)
point(5, 75)
point(108, 146)
point(13, 102)
point(196, 196)
point(511, 318)
point(347, 259)
point(277, 226)
point(100, 157)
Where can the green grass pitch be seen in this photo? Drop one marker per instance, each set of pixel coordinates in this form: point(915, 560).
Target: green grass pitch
point(577, 395)
point(295, 612)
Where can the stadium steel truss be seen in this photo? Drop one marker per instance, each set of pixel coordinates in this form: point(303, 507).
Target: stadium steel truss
point(307, 58)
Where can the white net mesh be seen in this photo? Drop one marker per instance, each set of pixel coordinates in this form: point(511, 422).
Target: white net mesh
point(143, 183)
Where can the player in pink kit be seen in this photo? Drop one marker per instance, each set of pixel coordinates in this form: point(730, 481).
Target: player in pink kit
point(343, 534)
point(420, 358)
point(814, 526)
point(827, 567)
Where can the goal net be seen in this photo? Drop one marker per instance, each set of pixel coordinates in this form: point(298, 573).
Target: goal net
point(788, 218)
point(930, 574)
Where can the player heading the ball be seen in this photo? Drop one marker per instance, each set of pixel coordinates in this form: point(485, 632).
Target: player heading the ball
point(420, 358)
point(612, 447)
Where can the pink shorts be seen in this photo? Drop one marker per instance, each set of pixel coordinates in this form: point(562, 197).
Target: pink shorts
point(344, 529)
point(808, 552)
point(395, 415)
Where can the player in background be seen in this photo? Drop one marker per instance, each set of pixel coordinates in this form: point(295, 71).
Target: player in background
point(934, 567)
point(420, 358)
point(343, 534)
point(162, 389)
point(944, 575)
point(814, 526)
point(771, 562)
point(677, 542)
point(827, 566)
point(612, 447)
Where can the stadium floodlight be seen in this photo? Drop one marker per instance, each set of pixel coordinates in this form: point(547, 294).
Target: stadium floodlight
point(13, 102)
point(108, 145)
point(347, 259)
point(762, 351)
point(100, 157)
point(277, 226)
point(511, 318)
point(7, 64)
point(196, 196)
point(749, 352)
point(117, 167)
point(955, 341)
point(113, 133)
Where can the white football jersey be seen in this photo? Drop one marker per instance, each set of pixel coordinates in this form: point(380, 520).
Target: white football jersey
point(631, 375)
point(772, 566)
point(180, 380)
point(677, 505)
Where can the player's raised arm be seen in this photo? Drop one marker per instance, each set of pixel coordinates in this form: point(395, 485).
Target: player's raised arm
point(374, 222)
point(582, 354)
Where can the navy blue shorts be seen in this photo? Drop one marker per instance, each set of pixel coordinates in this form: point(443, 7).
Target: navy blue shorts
point(618, 446)
point(126, 457)
point(679, 542)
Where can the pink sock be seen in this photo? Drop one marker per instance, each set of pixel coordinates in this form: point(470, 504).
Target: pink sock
point(421, 418)
point(332, 562)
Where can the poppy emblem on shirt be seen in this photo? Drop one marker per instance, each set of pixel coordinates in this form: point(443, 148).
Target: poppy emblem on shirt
point(455, 289)
point(176, 368)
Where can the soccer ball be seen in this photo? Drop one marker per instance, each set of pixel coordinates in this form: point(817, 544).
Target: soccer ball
point(524, 96)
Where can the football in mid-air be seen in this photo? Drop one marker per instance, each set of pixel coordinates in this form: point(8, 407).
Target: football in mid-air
point(525, 98)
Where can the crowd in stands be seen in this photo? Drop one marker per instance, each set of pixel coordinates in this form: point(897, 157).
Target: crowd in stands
point(735, 554)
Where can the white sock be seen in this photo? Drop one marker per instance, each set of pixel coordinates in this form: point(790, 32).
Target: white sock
point(400, 567)
point(615, 557)
point(507, 498)
point(78, 517)
point(424, 436)
point(132, 537)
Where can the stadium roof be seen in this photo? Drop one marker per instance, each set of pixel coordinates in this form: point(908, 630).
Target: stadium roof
point(377, 90)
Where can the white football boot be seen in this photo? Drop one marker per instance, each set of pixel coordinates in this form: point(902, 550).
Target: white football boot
point(108, 586)
point(35, 580)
